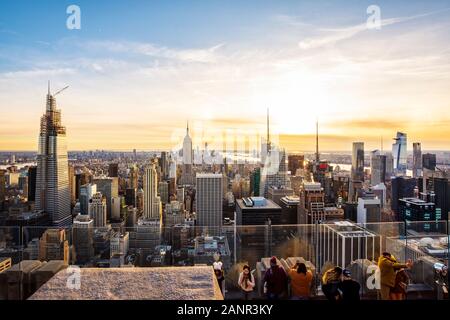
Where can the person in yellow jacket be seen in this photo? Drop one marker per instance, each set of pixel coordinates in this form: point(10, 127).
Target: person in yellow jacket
point(388, 269)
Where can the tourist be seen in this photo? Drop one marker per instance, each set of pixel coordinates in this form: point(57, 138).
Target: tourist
point(275, 280)
point(398, 292)
point(301, 279)
point(349, 287)
point(330, 283)
point(246, 282)
point(388, 270)
point(218, 271)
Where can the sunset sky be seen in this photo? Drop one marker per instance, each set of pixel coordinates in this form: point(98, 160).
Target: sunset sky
point(138, 70)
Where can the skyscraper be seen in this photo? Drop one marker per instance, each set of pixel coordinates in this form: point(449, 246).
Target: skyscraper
point(187, 175)
point(97, 209)
point(163, 189)
point(83, 238)
point(358, 161)
point(429, 161)
point(52, 179)
point(377, 168)
point(399, 153)
point(86, 193)
point(113, 170)
point(32, 171)
point(152, 202)
point(209, 201)
point(109, 187)
point(417, 160)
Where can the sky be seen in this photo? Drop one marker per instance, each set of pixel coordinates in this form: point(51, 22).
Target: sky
point(139, 70)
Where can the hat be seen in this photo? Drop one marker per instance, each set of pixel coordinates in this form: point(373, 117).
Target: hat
point(217, 265)
point(347, 273)
point(273, 260)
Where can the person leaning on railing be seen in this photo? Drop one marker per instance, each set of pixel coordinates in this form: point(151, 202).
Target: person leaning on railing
point(388, 271)
point(301, 279)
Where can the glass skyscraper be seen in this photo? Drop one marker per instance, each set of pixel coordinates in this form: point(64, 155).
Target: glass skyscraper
point(52, 179)
point(399, 152)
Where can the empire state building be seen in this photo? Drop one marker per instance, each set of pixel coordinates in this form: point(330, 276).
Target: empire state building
point(52, 180)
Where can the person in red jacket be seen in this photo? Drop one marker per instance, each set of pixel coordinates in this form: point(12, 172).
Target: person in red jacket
point(275, 280)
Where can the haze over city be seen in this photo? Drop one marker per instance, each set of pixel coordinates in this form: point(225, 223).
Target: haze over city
point(138, 72)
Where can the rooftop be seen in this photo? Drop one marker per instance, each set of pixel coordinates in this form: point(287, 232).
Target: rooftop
point(168, 283)
point(268, 205)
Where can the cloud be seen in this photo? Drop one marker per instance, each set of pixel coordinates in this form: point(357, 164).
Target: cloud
point(149, 49)
point(37, 73)
point(335, 35)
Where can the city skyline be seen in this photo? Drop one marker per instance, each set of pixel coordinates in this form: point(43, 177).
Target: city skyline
point(138, 93)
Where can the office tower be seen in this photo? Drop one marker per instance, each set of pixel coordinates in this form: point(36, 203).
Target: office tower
point(255, 178)
point(86, 193)
point(23, 184)
point(52, 179)
point(187, 177)
point(173, 171)
point(97, 210)
point(377, 168)
point(358, 161)
point(417, 160)
point(295, 161)
point(109, 187)
point(12, 160)
point(130, 197)
point(54, 245)
point(164, 165)
point(275, 193)
point(152, 202)
point(369, 209)
point(389, 166)
point(140, 201)
point(257, 211)
point(81, 178)
point(119, 243)
point(83, 238)
point(379, 191)
point(422, 211)
point(163, 187)
point(311, 208)
point(402, 187)
point(429, 161)
point(274, 172)
point(399, 153)
point(113, 170)
point(116, 206)
point(441, 189)
point(2, 185)
point(312, 203)
point(133, 176)
point(209, 201)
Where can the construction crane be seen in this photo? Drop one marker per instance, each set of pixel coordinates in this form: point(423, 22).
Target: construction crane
point(61, 90)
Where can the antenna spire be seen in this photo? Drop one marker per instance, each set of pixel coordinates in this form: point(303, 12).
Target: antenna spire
point(48, 87)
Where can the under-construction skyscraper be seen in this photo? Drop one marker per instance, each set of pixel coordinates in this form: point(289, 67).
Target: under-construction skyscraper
point(52, 179)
